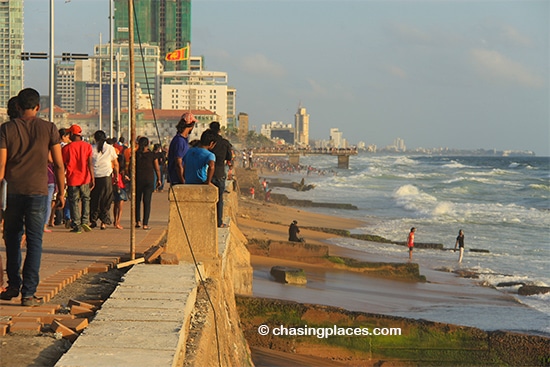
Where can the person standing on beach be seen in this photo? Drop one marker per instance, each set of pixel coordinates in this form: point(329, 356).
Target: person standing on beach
point(460, 243)
point(179, 147)
point(25, 144)
point(410, 242)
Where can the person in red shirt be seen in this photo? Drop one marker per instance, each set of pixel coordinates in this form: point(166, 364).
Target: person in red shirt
point(77, 157)
point(410, 242)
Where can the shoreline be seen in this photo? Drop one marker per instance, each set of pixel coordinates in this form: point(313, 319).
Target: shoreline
point(443, 295)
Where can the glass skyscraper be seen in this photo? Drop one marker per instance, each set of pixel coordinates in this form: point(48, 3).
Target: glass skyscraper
point(163, 23)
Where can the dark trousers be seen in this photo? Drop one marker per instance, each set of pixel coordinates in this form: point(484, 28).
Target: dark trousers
point(79, 212)
point(144, 192)
point(101, 199)
point(24, 213)
point(220, 184)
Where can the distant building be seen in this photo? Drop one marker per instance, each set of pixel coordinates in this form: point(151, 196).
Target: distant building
point(198, 90)
point(301, 124)
point(242, 125)
point(278, 131)
point(11, 46)
point(337, 139)
point(164, 23)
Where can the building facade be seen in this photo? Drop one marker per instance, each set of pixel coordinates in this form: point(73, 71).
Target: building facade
point(198, 90)
point(301, 125)
point(164, 23)
point(11, 46)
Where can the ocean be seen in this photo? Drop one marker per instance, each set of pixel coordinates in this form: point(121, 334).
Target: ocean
point(501, 203)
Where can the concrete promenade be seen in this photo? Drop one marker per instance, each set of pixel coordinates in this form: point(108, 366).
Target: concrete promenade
point(127, 314)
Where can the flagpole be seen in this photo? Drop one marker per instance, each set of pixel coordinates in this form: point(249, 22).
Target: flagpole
point(132, 129)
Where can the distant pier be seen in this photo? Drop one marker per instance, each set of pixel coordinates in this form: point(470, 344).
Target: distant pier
point(294, 154)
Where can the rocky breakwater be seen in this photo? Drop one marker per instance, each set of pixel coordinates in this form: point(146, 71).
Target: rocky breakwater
point(399, 341)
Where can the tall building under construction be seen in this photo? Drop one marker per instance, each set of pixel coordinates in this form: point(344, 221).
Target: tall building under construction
point(11, 46)
point(163, 23)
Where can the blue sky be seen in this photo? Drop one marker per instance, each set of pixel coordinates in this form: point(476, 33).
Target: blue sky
point(458, 74)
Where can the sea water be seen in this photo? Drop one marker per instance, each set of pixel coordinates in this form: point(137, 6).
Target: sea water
point(501, 203)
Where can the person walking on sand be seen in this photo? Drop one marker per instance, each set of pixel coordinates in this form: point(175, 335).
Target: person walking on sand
point(410, 242)
point(460, 243)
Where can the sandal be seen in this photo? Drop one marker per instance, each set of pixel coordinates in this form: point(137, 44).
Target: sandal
point(138, 225)
point(146, 228)
point(103, 226)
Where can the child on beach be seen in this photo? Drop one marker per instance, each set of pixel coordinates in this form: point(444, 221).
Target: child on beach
point(410, 242)
point(460, 243)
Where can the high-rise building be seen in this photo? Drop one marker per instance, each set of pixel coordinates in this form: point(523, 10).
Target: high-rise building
point(164, 23)
point(11, 46)
point(198, 90)
point(301, 124)
point(242, 125)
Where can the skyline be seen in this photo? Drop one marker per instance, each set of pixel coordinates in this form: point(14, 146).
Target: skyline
point(457, 74)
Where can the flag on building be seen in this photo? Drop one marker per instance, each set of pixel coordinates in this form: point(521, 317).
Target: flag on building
point(178, 55)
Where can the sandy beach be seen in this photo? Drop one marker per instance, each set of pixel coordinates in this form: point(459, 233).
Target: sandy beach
point(445, 296)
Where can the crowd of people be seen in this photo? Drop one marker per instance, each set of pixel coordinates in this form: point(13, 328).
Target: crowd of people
point(56, 177)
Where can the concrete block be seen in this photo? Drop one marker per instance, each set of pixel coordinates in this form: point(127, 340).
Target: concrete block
point(288, 275)
point(197, 206)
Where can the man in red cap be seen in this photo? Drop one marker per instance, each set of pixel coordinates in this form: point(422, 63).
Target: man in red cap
point(77, 157)
point(179, 147)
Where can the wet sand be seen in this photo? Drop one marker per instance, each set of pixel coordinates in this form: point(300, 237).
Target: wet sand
point(445, 297)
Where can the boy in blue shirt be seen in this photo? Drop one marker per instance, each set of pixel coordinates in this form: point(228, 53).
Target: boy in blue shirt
point(199, 162)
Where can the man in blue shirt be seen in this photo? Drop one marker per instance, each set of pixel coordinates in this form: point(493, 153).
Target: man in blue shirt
point(179, 147)
point(199, 162)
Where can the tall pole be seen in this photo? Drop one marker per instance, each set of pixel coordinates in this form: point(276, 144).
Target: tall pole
point(118, 96)
point(111, 106)
point(100, 107)
point(52, 65)
point(131, 111)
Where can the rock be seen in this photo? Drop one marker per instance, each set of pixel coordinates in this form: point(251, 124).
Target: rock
point(509, 284)
point(529, 290)
point(479, 250)
point(288, 275)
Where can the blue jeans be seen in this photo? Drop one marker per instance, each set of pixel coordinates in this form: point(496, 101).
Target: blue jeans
point(51, 191)
point(24, 213)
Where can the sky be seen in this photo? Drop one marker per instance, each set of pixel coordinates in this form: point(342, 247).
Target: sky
point(440, 73)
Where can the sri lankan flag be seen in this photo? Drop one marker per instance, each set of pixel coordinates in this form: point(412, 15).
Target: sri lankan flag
point(178, 55)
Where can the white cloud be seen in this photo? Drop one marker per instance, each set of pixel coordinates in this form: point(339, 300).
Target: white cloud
point(316, 88)
point(492, 64)
point(397, 71)
point(260, 64)
point(514, 36)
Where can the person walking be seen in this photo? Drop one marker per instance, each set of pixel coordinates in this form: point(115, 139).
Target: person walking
point(460, 243)
point(147, 176)
point(105, 161)
point(179, 147)
point(224, 155)
point(25, 143)
point(410, 242)
point(79, 169)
